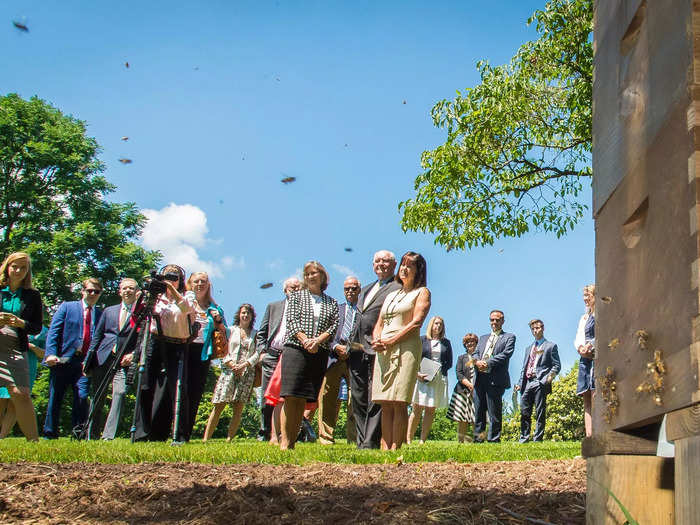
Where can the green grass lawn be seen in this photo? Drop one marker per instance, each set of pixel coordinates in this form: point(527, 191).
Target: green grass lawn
point(251, 451)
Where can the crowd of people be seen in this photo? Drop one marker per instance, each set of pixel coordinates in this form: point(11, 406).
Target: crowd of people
point(307, 354)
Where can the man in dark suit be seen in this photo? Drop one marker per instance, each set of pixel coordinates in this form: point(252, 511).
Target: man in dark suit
point(111, 330)
point(492, 356)
point(269, 342)
point(540, 366)
point(67, 342)
point(347, 336)
point(368, 416)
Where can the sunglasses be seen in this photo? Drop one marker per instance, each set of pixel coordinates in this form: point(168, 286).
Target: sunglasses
point(351, 288)
point(92, 291)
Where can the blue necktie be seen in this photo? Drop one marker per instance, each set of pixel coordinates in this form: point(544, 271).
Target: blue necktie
point(348, 324)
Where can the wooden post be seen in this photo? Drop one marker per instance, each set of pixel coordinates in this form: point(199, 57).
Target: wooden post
point(687, 478)
point(646, 204)
point(643, 484)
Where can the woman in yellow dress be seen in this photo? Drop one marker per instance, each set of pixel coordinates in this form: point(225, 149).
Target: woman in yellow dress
point(396, 339)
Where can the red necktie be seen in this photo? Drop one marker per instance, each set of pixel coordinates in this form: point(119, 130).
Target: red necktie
point(86, 331)
point(531, 362)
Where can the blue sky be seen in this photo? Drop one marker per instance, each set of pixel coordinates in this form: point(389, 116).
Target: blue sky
point(223, 99)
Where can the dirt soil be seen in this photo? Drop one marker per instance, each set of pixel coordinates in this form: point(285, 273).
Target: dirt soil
point(483, 493)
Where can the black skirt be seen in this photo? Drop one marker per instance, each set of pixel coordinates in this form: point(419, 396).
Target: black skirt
point(302, 372)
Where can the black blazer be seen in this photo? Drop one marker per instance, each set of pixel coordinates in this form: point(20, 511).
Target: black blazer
point(445, 352)
point(269, 326)
point(32, 312)
point(464, 371)
point(370, 312)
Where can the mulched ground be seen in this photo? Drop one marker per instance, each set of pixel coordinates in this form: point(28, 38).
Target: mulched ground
point(482, 493)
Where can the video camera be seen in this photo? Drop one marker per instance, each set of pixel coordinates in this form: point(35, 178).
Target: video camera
point(155, 285)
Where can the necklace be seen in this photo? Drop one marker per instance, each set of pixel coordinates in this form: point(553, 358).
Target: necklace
point(391, 313)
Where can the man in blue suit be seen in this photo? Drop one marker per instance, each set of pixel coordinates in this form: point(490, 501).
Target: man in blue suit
point(540, 367)
point(492, 356)
point(112, 328)
point(67, 343)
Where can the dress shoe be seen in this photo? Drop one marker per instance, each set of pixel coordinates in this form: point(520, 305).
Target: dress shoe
point(308, 430)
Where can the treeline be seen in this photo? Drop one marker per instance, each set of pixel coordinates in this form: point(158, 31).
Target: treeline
point(564, 413)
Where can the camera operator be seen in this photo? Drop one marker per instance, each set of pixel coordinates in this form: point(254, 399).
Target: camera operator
point(164, 386)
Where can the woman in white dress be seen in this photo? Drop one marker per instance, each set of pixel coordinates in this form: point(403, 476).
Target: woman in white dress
point(396, 340)
point(431, 394)
point(237, 373)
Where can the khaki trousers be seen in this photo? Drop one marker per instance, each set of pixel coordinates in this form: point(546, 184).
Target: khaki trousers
point(329, 404)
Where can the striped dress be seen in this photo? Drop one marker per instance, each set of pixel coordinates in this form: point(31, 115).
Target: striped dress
point(461, 407)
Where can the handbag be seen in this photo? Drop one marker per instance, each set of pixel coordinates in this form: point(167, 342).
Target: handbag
point(274, 386)
point(257, 379)
point(219, 343)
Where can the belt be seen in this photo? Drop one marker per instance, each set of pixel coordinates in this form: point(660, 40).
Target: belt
point(273, 352)
point(173, 340)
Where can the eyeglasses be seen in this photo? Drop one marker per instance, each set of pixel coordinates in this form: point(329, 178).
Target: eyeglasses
point(492, 320)
point(92, 291)
point(351, 288)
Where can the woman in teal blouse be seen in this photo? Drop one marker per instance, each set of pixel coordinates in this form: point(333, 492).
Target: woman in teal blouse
point(20, 316)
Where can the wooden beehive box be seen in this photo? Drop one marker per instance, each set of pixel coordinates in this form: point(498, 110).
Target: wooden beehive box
point(646, 164)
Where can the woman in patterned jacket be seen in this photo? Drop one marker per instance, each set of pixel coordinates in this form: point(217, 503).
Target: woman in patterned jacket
point(312, 319)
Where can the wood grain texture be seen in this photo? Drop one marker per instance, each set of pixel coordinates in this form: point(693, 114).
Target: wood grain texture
point(683, 423)
point(611, 442)
point(687, 481)
point(644, 485)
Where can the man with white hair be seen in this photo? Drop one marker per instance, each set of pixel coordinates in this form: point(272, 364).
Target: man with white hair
point(368, 416)
point(269, 342)
point(111, 330)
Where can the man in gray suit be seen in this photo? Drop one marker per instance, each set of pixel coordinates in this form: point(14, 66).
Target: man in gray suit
point(368, 417)
point(111, 330)
point(540, 366)
point(269, 342)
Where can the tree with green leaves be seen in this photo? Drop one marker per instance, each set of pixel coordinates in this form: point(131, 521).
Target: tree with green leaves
point(53, 206)
point(518, 146)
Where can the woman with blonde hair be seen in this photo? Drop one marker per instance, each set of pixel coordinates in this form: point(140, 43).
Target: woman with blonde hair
point(431, 393)
point(585, 346)
point(312, 320)
point(20, 317)
point(210, 317)
point(237, 372)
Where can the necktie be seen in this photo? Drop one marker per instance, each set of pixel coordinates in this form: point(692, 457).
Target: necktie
point(348, 324)
point(86, 330)
point(531, 362)
point(491, 344)
point(123, 316)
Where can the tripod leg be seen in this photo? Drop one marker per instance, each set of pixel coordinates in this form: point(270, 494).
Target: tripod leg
point(178, 394)
point(140, 372)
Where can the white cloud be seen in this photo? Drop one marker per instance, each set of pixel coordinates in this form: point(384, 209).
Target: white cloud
point(179, 231)
point(344, 271)
point(274, 265)
point(233, 262)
